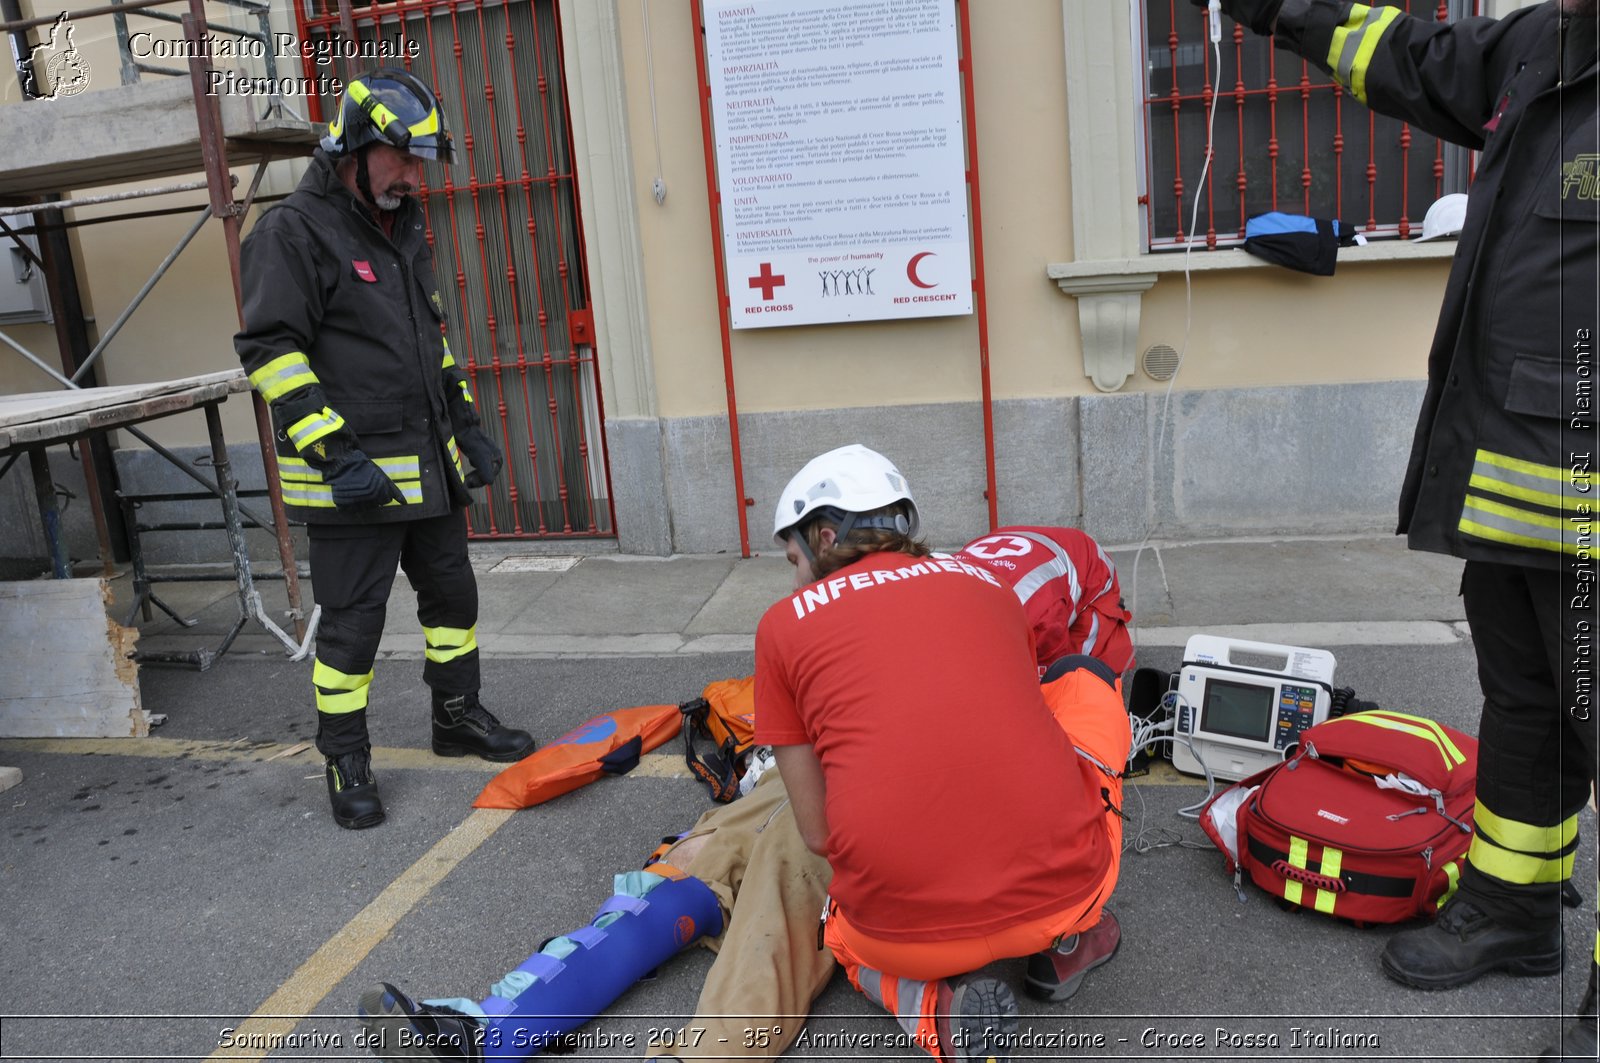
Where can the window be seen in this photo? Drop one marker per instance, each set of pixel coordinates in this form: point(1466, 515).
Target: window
point(1286, 137)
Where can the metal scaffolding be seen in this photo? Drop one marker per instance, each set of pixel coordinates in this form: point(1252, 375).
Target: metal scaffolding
point(79, 362)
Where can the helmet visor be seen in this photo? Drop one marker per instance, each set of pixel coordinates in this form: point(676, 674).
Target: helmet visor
point(434, 146)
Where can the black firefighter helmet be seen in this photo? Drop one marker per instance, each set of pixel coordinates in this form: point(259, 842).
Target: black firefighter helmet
point(389, 106)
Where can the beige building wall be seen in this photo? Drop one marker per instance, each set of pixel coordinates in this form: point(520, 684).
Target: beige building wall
point(1250, 327)
point(1043, 117)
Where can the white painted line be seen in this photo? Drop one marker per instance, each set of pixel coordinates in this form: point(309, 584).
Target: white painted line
point(408, 647)
point(1344, 633)
point(536, 563)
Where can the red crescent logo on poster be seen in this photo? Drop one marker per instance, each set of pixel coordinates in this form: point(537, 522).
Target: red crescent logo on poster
point(911, 270)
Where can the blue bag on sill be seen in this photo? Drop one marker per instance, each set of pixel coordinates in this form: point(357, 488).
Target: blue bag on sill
point(1295, 241)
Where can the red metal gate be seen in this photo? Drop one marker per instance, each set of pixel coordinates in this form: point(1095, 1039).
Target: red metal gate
point(504, 222)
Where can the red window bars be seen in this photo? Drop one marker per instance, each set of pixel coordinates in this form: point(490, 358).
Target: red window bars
point(503, 223)
point(1286, 137)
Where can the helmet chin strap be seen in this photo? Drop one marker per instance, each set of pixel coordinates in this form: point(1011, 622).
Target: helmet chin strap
point(848, 522)
point(364, 181)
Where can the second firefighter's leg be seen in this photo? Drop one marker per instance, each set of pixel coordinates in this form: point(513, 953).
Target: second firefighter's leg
point(770, 966)
point(352, 572)
point(435, 561)
point(1506, 914)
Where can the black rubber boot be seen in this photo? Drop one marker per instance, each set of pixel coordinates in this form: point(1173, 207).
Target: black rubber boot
point(1578, 1039)
point(399, 1028)
point(463, 727)
point(353, 791)
point(1464, 943)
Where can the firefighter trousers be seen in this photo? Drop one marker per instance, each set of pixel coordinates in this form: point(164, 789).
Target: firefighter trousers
point(352, 572)
point(1534, 632)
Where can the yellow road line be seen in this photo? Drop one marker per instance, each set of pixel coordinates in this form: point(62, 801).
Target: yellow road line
point(280, 1013)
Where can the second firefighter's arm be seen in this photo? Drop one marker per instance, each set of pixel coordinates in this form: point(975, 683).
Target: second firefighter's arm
point(1444, 78)
point(283, 305)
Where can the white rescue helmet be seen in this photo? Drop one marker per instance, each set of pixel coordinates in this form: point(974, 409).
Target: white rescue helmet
point(1445, 218)
point(851, 479)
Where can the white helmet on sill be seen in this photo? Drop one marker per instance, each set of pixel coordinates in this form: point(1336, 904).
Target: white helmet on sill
point(1445, 218)
point(849, 480)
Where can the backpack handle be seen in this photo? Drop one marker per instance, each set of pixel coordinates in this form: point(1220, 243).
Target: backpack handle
point(1310, 878)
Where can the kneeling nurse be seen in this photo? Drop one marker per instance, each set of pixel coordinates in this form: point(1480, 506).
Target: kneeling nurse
point(970, 814)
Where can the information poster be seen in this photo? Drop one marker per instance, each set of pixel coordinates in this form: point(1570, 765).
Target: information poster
point(841, 161)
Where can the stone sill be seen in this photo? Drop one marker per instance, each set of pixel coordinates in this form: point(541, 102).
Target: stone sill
point(1234, 258)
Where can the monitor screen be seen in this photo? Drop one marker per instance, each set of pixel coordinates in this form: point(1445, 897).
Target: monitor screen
point(1241, 710)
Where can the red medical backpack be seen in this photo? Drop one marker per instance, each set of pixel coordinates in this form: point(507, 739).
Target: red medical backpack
point(1368, 821)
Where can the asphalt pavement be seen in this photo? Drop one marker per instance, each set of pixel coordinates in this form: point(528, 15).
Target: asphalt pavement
point(187, 895)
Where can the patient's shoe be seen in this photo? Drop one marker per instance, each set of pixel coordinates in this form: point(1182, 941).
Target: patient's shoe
point(399, 1028)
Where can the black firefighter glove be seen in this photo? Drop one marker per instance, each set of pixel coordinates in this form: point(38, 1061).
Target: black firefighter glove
point(1259, 15)
point(485, 456)
point(357, 481)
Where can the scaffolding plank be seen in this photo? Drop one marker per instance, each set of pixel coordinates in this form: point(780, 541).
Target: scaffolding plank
point(134, 133)
point(41, 418)
point(66, 672)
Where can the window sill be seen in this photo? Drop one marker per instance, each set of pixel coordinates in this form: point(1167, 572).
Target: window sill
point(1110, 291)
point(1234, 258)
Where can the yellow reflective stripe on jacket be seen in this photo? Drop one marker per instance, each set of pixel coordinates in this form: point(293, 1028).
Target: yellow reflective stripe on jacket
point(314, 426)
point(1411, 725)
point(401, 467)
point(1525, 837)
point(1332, 860)
point(1501, 523)
point(303, 485)
point(1356, 42)
point(455, 456)
point(339, 692)
point(1515, 480)
point(298, 470)
point(285, 373)
point(1292, 890)
point(449, 359)
point(1529, 481)
point(406, 473)
point(445, 644)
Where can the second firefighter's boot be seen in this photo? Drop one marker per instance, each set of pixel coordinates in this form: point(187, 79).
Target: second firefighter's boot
point(353, 791)
point(462, 727)
point(1465, 942)
point(1578, 1039)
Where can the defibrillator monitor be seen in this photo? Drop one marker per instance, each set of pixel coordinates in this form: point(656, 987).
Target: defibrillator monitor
point(1243, 705)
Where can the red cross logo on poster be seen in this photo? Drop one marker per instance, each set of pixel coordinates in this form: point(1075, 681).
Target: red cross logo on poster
point(768, 282)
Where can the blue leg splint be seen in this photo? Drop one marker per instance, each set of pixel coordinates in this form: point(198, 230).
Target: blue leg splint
point(576, 976)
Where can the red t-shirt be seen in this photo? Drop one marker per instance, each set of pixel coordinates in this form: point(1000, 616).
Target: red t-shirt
point(956, 805)
point(1068, 589)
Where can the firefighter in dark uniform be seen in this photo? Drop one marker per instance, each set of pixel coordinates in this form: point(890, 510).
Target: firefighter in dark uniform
point(1500, 468)
point(343, 338)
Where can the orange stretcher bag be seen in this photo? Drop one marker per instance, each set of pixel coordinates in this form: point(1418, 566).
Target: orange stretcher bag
point(718, 729)
point(608, 744)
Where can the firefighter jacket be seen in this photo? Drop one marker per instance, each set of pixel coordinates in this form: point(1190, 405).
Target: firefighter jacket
point(1501, 463)
point(343, 338)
